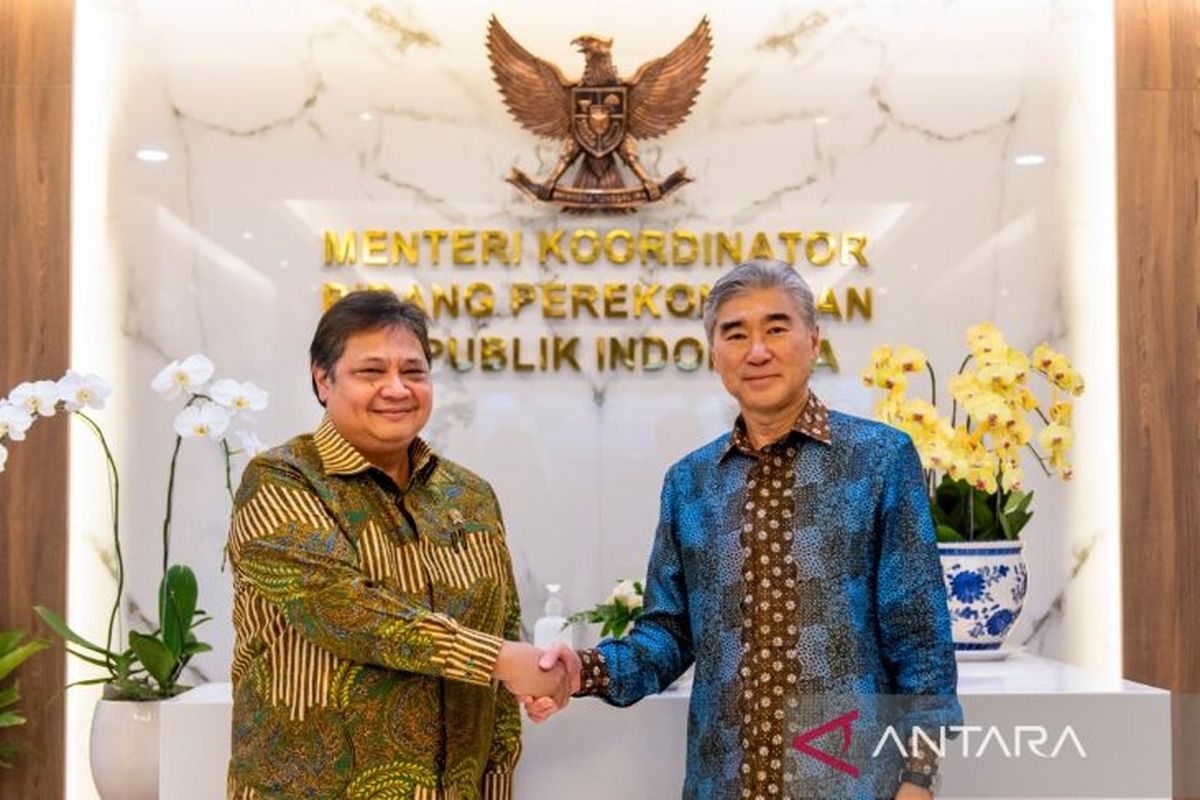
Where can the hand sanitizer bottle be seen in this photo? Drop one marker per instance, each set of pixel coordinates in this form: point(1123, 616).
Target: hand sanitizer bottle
point(553, 626)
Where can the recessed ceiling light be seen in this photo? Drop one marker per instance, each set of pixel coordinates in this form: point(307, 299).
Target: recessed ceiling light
point(1029, 160)
point(366, 116)
point(821, 120)
point(153, 154)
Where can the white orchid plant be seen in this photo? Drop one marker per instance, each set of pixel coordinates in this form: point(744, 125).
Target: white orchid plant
point(618, 612)
point(151, 666)
point(208, 411)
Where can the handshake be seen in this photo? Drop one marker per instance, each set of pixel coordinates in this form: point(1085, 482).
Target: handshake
point(542, 680)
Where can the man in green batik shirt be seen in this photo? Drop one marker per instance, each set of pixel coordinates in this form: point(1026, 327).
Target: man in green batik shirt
point(374, 603)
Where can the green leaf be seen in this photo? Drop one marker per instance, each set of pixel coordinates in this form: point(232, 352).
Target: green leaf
point(57, 625)
point(986, 526)
point(154, 655)
point(10, 695)
point(9, 719)
point(14, 658)
point(1004, 526)
point(940, 517)
point(1016, 513)
point(1014, 502)
point(192, 648)
point(89, 682)
point(88, 659)
point(950, 503)
point(177, 594)
point(947, 534)
point(9, 640)
point(1016, 521)
point(136, 690)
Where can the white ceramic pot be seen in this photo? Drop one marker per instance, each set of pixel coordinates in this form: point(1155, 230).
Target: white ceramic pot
point(124, 749)
point(985, 590)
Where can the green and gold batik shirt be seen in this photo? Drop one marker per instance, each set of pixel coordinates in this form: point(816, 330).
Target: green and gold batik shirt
point(368, 620)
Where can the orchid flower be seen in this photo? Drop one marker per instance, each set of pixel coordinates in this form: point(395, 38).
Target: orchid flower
point(188, 375)
point(36, 397)
point(238, 396)
point(14, 421)
point(78, 391)
point(203, 420)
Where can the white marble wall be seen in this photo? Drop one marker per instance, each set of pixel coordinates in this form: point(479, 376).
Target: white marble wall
point(283, 119)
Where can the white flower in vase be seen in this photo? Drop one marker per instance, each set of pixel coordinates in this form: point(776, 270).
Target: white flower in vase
point(202, 421)
point(188, 375)
point(239, 397)
point(627, 594)
point(14, 421)
point(82, 391)
point(36, 397)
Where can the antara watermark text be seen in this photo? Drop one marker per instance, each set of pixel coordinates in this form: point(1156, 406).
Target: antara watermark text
point(976, 741)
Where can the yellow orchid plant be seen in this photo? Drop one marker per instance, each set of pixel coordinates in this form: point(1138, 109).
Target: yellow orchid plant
point(980, 495)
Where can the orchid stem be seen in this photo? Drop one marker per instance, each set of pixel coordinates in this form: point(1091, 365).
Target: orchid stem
point(954, 403)
point(166, 532)
point(114, 487)
point(1041, 463)
point(228, 455)
point(225, 451)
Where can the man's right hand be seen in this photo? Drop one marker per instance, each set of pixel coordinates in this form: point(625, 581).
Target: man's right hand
point(518, 668)
point(558, 655)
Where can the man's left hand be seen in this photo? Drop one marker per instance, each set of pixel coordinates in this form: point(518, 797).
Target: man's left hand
point(909, 791)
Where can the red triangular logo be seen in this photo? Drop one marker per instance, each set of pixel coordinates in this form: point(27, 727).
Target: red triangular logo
point(842, 723)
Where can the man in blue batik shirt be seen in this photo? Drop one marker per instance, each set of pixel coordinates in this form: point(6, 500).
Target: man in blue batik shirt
point(795, 565)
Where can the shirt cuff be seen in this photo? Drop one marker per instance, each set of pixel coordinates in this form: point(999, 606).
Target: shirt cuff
point(472, 656)
point(922, 762)
point(497, 786)
point(593, 678)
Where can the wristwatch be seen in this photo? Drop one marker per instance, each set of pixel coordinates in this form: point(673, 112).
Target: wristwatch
point(924, 780)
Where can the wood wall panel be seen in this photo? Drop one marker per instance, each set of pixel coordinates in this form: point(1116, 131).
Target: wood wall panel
point(35, 151)
point(1157, 44)
point(1158, 210)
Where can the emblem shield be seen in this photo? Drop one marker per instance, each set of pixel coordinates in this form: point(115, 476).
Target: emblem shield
point(598, 117)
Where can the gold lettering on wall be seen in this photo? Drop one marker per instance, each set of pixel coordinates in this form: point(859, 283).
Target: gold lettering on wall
point(584, 300)
point(485, 260)
point(649, 353)
point(490, 248)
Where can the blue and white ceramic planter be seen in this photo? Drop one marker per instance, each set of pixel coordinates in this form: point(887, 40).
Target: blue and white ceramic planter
point(985, 587)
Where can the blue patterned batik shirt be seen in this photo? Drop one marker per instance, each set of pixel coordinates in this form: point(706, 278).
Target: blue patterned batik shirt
point(802, 580)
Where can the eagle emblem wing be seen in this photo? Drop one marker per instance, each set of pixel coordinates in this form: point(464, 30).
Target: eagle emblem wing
point(535, 91)
point(663, 91)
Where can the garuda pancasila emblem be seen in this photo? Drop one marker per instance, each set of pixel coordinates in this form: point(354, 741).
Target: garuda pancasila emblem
point(599, 116)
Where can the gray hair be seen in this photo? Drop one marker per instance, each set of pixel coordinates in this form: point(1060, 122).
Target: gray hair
point(760, 274)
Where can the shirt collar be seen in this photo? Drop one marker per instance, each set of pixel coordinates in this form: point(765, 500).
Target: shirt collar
point(812, 421)
point(339, 457)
